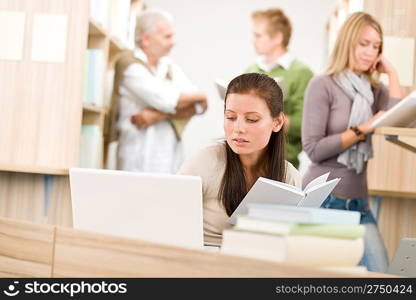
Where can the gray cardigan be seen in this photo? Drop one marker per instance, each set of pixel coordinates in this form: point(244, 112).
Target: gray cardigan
point(325, 116)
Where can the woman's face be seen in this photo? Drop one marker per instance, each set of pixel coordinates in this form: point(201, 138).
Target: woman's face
point(248, 123)
point(367, 50)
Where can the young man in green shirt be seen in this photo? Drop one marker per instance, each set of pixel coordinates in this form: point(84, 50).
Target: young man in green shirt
point(272, 31)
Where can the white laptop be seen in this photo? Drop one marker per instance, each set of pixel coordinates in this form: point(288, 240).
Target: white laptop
point(400, 115)
point(165, 209)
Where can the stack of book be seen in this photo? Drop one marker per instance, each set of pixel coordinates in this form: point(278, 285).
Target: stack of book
point(304, 236)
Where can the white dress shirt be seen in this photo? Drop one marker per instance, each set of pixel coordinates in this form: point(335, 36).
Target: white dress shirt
point(154, 149)
point(284, 61)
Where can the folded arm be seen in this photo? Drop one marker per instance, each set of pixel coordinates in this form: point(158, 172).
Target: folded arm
point(150, 116)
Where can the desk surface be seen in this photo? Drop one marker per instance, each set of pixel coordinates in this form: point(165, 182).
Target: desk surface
point(396, 131)
point(51, 251)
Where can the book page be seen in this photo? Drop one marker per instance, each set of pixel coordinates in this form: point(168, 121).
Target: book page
point(318, 180)
point(264, 192)
point(317, 194)
point(281, 184)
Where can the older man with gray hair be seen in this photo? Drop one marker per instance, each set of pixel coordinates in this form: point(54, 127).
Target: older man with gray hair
point(152, 100)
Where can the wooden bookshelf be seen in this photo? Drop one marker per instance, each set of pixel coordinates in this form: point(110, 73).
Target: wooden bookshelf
point(43, 111)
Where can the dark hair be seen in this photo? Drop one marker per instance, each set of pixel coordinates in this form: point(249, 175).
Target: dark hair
point(272, 165)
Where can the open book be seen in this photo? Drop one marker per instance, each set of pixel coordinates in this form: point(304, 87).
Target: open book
point(400, 115)
point(275, 192)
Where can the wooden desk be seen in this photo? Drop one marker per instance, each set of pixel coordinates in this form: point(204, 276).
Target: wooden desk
point(404, 137)
point(32, 250)
point(392, 174)
point(26, 249)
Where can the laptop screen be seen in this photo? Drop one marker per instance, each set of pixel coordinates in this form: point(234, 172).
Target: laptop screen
point(160, 208)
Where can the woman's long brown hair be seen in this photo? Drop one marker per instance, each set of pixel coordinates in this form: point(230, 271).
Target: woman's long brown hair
point(233, 186)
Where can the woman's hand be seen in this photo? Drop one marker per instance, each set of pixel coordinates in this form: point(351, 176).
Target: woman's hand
point(366, 126)
point(382, 65)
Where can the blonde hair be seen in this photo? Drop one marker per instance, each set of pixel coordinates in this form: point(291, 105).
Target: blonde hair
point(342, 56)
point(277, 21)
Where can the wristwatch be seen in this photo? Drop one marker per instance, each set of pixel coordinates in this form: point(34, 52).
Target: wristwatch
point(361, 136)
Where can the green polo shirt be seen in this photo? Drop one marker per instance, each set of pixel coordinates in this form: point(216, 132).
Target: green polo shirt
point(295, 81)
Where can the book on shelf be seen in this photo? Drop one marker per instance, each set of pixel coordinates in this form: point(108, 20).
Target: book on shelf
point(247, 223)
point(302, 250)
point(91, 147)
point(95, 69)
point(305, 215)
point(108, 87)
point(274, 192)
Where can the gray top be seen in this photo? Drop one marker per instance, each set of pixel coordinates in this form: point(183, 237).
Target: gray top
point(325, 117)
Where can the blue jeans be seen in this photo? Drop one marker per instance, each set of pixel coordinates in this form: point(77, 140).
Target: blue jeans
point(375, 254)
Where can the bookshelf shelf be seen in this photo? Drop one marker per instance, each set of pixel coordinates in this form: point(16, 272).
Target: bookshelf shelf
point(34, 170)
point(116, 46)
point(96, 29)
point(90, 108)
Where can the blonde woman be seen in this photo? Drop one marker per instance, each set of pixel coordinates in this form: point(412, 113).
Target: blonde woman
point(339, 109)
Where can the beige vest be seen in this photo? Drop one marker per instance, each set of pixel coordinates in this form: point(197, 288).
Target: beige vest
point(126, 58)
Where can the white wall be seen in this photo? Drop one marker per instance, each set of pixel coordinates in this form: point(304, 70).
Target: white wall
point(214, 40)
